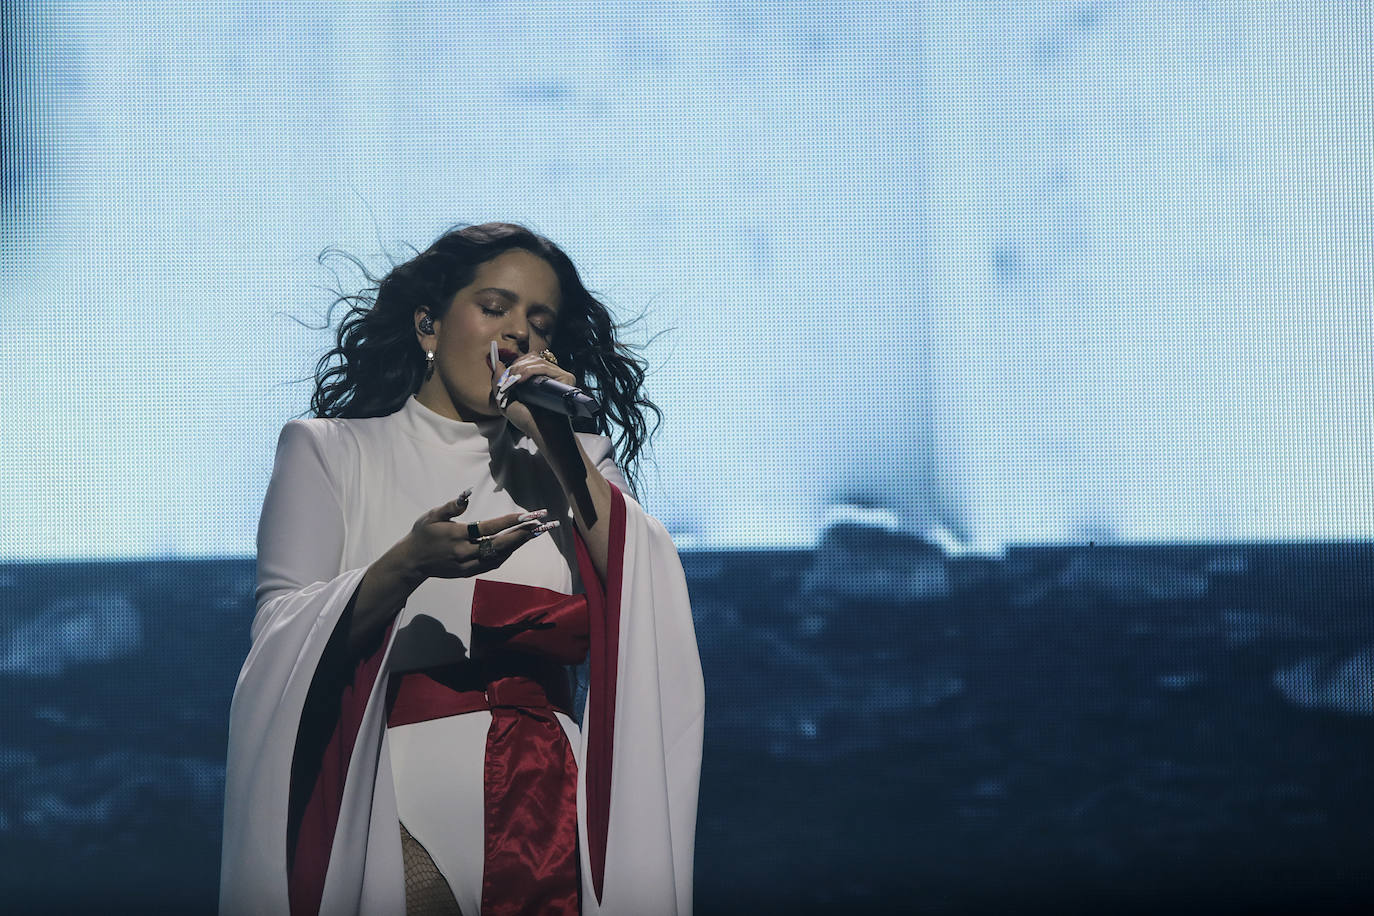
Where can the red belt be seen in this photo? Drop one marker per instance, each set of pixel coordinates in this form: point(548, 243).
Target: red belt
point(418, 696)
point(530, 861)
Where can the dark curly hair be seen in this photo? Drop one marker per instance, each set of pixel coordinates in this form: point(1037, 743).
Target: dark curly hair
point(376, 363)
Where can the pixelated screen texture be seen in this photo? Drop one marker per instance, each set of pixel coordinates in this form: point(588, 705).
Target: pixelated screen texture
point(999, 273)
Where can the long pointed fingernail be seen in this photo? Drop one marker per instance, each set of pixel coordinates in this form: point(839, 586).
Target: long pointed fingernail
point(463, 497)
point(537, 513)
point(507, 380)
point(547, 526)
point(495, 356)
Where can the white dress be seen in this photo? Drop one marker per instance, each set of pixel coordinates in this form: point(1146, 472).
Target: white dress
point(344, 491)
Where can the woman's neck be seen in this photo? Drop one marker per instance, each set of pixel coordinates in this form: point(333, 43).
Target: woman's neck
point(434, 395)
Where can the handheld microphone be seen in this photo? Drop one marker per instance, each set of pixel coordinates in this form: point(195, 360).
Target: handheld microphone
point(542, 391)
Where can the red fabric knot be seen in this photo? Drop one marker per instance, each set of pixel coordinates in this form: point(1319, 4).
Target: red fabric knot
point(531, 861)
point(522, 637)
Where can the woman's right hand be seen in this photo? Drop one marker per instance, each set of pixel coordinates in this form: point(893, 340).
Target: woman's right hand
point(439, 547)
point(435, 546)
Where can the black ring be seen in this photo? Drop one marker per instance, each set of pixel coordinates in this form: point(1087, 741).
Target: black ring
point(474, 532)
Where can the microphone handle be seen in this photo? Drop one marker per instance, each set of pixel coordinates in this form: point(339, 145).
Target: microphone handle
point(545, 393)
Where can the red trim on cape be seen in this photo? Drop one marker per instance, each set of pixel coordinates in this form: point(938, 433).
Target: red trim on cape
point(603, 604)
point(320, 766)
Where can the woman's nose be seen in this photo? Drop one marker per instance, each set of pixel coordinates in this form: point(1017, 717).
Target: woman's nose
point(519, 331)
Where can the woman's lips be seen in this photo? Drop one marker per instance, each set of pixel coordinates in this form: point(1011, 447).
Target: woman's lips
point(508, 356)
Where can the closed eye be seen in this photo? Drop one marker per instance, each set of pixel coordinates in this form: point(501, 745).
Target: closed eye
point(544, 330)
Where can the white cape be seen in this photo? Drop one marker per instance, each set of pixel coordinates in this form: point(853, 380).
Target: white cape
point(658, 721)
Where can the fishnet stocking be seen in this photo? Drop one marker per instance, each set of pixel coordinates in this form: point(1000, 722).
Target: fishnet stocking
point(427, 893)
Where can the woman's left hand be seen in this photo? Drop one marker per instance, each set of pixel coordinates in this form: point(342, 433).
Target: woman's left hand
point(504, 379)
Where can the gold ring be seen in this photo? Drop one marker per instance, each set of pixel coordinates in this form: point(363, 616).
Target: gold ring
point(548, 355)
point(485, 548)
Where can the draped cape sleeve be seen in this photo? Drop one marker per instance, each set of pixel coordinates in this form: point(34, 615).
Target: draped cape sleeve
point(642, 728)
point(302, 596)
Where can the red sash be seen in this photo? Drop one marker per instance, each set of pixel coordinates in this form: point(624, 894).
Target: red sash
point(530, 861)
point(510, 618)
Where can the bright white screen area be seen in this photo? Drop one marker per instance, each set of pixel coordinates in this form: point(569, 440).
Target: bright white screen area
point(1003, 272)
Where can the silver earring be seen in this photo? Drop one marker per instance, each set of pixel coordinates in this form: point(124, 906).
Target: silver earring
point(429, 364)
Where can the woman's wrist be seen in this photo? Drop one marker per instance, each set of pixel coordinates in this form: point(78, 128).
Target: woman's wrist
point(587, 491)
point(397, 571)
point(381, 594)
point(551, 434)
point(563, 452)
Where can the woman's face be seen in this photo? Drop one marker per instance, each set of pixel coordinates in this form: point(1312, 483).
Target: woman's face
point(514, 300)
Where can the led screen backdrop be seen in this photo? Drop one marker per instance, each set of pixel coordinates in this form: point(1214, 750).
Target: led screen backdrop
point(1025, 272)
point(975, 326)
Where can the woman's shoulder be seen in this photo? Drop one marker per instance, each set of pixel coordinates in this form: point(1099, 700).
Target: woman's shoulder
point(334, 443)
point(327, 434)
point(343, 429)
